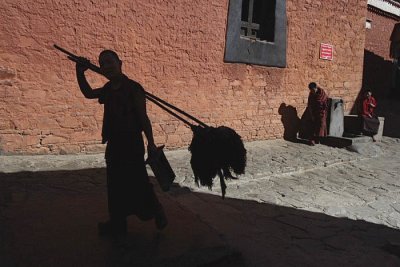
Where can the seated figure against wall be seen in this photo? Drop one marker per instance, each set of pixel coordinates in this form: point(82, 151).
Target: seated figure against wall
point(370, 122)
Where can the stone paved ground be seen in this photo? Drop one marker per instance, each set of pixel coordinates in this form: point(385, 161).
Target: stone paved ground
point(336, 182)
point(296, 206)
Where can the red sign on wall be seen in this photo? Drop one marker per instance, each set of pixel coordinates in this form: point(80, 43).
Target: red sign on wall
point(326, 51)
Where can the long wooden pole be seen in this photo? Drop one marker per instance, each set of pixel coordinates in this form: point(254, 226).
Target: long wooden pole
point(156, 100)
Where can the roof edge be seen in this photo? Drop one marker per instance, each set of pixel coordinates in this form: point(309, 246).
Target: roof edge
point(388, 6)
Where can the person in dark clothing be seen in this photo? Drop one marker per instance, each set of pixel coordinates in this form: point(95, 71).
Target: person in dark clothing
point(125, 118)
point(318, 106)
point(370, 122)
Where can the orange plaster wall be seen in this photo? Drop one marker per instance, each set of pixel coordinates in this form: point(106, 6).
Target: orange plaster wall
point(175, 49)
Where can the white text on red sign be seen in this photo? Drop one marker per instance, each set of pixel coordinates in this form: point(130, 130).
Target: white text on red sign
point(326, 51)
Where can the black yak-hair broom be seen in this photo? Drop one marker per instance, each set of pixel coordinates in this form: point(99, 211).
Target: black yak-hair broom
point(215, 150)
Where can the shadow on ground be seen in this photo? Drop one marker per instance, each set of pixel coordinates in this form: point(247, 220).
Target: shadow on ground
point(50, 218)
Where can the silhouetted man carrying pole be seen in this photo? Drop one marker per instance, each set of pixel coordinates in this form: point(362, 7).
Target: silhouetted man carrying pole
point(125, 118)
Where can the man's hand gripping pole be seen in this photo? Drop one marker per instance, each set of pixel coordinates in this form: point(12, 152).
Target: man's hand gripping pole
point(79, 60)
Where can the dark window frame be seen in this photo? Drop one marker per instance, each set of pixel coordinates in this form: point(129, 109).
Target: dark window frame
point(242, 49)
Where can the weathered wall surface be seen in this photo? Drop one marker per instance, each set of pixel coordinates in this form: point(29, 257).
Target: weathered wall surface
point(378, 67)
point(175, 49)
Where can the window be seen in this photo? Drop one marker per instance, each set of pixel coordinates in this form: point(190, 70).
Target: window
point(256, 32)
point(368, 24)
point(258, 20)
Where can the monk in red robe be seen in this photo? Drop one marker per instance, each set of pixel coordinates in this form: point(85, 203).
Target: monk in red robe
point(370, 122)
point(318, 106)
